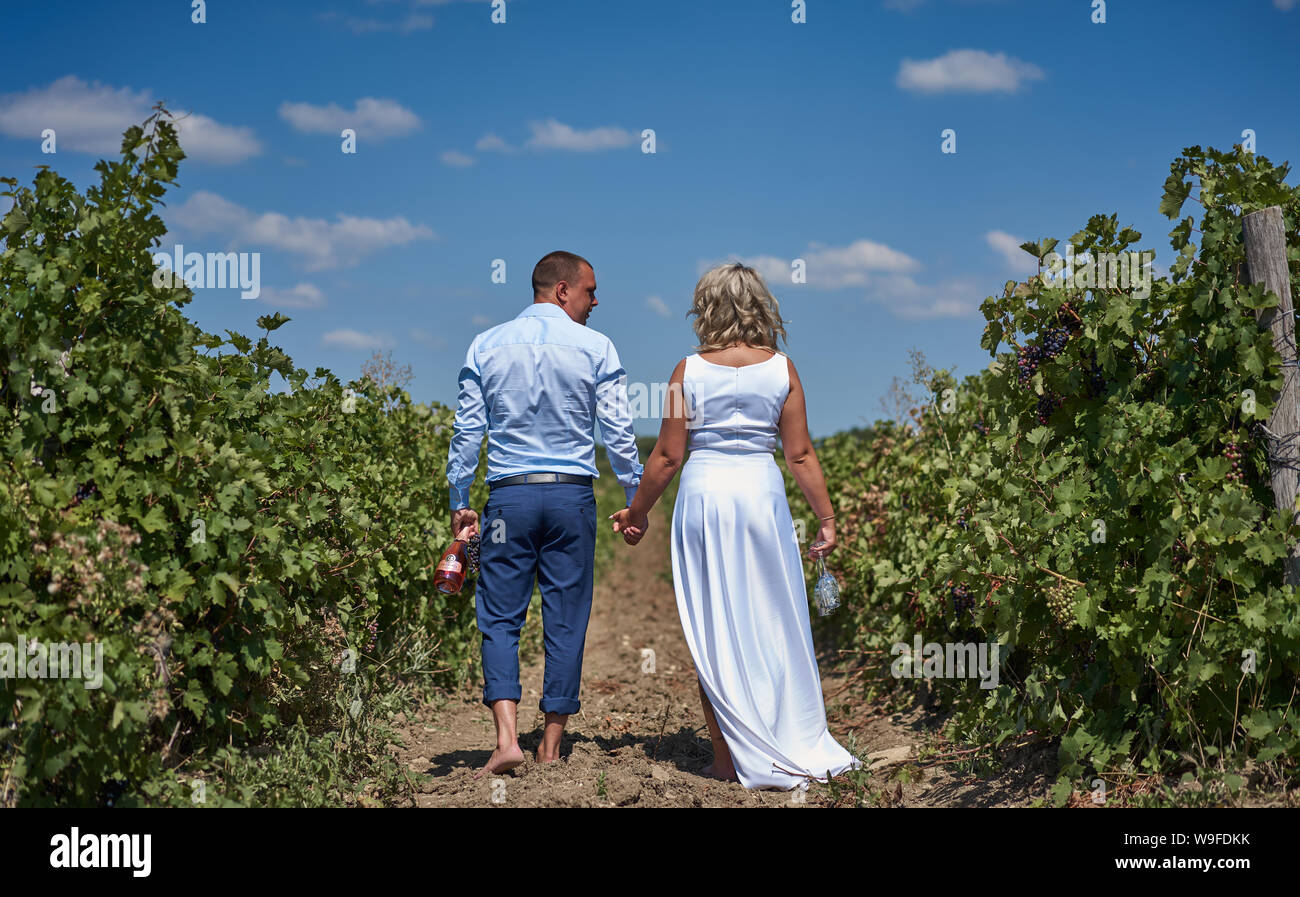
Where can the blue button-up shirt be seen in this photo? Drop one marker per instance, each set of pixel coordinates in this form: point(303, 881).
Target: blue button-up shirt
point(537, 385)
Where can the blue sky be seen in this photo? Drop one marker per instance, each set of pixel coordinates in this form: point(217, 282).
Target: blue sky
point(774, 140)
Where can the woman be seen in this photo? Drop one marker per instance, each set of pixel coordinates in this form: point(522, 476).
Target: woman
point(736, 565)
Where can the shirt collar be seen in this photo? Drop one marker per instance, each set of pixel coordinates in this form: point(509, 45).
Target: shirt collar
point(546, 309)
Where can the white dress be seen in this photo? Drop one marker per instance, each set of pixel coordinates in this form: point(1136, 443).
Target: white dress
point(740, 583)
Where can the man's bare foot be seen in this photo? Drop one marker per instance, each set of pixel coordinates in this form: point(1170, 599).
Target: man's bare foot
point(725, 774)
point(502, 760)
point(548, 751)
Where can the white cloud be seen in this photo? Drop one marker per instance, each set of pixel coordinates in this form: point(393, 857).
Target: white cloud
point(1285, 5)
point(884, 274)
point(967, 71)
point(775, 271)
point(832, 267)
point(908, 299)
point(456, 159)
point(207, 140)
point(356, 340)
point(318, 243)
point(552, 134)
point(412, 22)
point(555, 135)
point(377, 119)
point(659, 306)
point(481, 320)
point(90, 118)
point(425, 338)
point(491, 143)
point(303, 295)
point(1007, 246)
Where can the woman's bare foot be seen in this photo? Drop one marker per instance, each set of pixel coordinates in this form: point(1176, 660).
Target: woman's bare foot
point(503, 759)
point(721, 768)
point(723, 773)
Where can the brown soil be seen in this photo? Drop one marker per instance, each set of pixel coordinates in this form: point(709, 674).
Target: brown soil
point(640, 738)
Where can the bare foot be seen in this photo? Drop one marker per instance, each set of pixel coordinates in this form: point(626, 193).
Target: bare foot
point(547, 758)
point(502, 760)
point(727, 774)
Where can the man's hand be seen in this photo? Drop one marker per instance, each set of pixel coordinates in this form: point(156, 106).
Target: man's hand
point(461, 519)
point(631, 528)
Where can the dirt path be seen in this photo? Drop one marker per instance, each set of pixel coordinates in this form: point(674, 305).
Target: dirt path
point(640, 737)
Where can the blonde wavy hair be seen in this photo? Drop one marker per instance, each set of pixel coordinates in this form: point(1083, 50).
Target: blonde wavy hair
point(732, 304)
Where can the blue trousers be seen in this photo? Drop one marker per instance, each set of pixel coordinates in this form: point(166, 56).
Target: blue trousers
point(547, 532)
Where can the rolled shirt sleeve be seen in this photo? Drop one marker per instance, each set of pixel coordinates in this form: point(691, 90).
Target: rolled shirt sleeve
point(467, 440)
point(615, 418)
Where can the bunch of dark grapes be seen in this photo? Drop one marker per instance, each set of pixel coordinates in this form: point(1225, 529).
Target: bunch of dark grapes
point(982, 428)
point(471, 549)
point(961, 520)
point(112, 790)
point(1066, 315)
point(373, 626)
point(1028, 358)
point(1054, 341)
point(962, 602)
point(1060, 601)
point(1233, 453)
point(1181, 554)
point(1048, 402)
point(84, 491)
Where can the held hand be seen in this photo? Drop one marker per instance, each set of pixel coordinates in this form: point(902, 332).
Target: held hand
point(824, 544)
point(633, 530)
point(462, 520)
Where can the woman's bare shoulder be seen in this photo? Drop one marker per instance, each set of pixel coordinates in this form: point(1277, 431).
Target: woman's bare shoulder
point(738, 356)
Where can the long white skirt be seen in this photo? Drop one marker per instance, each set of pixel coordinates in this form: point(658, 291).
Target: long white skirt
point(744, 611)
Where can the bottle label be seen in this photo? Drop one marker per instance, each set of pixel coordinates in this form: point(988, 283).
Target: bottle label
point(449, 565)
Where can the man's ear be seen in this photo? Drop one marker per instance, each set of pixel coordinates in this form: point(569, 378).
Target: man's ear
point(561, 291)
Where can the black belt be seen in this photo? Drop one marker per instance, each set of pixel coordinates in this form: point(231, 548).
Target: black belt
point(520, 479)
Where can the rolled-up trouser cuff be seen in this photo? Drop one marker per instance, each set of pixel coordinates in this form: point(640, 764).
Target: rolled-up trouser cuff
point(560, 705)
point(501, 693)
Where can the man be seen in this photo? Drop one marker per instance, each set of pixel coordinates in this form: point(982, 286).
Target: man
point(537, 384)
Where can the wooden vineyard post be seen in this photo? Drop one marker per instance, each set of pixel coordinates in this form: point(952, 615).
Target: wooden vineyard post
point(1266, 264)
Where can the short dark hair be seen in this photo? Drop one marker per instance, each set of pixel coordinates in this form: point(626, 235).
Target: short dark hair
point(557, 266)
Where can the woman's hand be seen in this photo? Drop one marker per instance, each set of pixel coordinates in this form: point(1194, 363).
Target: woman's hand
point(824, 544)
point(631, 528)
